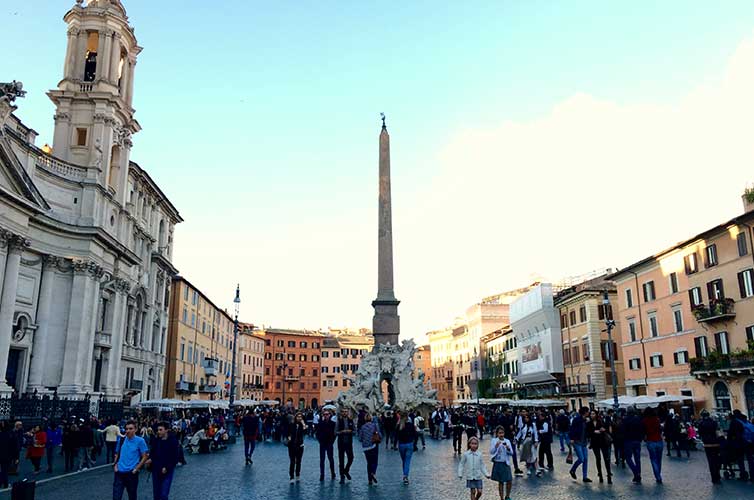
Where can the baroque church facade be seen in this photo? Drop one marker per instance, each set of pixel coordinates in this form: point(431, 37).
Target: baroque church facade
point(86, 235)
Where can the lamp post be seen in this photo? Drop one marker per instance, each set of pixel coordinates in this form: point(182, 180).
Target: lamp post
point(610, 323)
point(236, 304)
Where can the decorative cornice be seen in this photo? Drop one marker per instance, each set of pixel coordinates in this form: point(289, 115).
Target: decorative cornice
point(62, 116)
point(121, 285)
point(13, 241)
point(88, 267)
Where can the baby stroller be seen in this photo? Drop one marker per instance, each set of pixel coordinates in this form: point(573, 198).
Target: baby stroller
point(729, 459)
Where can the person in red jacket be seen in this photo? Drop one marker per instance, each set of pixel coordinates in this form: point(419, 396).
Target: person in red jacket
point(36, 449)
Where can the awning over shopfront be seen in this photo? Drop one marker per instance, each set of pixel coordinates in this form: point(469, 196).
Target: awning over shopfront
point(534, 378)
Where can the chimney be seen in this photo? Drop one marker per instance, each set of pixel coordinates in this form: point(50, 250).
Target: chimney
point(748, 199)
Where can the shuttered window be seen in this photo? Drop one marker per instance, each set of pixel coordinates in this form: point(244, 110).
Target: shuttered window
point(742, 245)
point(746, 283)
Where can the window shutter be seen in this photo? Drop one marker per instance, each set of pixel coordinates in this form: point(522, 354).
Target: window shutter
point(601, 312)
point(711, 290)
point(659, 358)
point(675, 357)
point(644, 289)
point(741, 287)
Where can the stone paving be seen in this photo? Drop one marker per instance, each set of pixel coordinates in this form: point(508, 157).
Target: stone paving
point(223, 476)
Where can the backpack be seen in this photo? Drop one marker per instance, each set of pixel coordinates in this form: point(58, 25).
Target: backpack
point(748, 432)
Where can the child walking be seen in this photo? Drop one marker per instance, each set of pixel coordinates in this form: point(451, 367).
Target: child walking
point(501, 452)
point(472, 468)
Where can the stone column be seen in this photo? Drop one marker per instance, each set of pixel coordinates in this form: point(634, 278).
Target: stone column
point(87, 341)
point(68, 65)
point(114, 58)
point(39, 350)
point(130, 94)
point(15, 245)
point(100, 72)
point(79, 57)
point(104, 59)
point(118, 338)
point(79, 319)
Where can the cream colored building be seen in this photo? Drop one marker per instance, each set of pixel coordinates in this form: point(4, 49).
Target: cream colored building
point(250, 379)
point(587, 373)
point(86, 235)
point(200, 346)
point(441, 347)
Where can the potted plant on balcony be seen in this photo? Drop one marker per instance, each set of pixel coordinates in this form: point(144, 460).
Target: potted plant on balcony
point(700, 311)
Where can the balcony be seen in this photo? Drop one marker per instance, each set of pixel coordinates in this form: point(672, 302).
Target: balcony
point(291, 378)
point(575, 389)
point(184, 386)
point(103, 339)
point(249, 386)
point(209, 388)
point(135, 385)
point(211, 366)
point(718, 310)
point(715, 365)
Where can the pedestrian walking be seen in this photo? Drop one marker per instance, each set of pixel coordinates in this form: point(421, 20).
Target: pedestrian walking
point(370, 439)
point(472, 468)
point(578, 438)
point(598, 433)
point(326, 438)
point(296, 433)
point(406, 434)
point(563, 424)
point(456, 427)
point(112, 434)
point(70, 446)
point(544, 429)
point(653, 438)
point(54, 440)
point(708, 433)
point(36, 449)
point(131, 453)
point(86, 444)
point(250, 428)
point(633, 432)
point(163, 458)
point(501, 451)
point(419, 426)
point(529, 439)
point(8, 452)
point(345, 429)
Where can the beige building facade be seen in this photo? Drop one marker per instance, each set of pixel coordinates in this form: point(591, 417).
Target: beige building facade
point(587, 373)
point(250, 379)
point(200, 340)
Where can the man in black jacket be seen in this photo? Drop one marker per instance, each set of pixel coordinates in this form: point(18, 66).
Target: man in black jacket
point(345, 430)
point(633, 434)
point(457, 428)
point(326, 438)
point(711, 441)
point(163, 458)
point(8, 452)
point(250, 425)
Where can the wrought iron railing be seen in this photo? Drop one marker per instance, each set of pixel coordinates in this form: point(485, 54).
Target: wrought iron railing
point(32, 408)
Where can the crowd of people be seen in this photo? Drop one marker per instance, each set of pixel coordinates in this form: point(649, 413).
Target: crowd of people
point(521, 442)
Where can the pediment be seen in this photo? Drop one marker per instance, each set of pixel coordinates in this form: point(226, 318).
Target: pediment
point(13, 178)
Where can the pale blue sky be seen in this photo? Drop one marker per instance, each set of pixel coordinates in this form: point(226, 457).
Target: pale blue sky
point(260, 122)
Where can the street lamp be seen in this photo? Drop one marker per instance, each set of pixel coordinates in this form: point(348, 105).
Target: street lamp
point(610, 323)
point(237, 304)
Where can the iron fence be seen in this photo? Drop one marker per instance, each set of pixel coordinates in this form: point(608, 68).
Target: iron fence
point(32, 408)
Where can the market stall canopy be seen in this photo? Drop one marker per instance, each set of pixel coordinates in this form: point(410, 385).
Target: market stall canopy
point(213, 405)
point(269, 402)
point(643, 401)
point(247, 403)
point(539, 403)
point(161, 403)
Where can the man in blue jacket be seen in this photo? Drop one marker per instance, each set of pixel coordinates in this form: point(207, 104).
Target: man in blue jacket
point(633, 435)
point(163, 457)
point(577, 436)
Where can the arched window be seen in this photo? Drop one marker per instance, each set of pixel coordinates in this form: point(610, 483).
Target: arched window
point(161, 237)
point(722, 397)
point(749, 396)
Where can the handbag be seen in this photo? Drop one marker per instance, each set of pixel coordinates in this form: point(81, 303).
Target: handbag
point(376, 438)
point(23, 490)
point(569, 458)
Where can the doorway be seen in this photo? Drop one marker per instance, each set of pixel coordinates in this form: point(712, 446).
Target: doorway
point(13, 372)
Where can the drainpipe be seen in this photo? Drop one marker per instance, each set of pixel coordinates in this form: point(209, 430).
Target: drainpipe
point(641, 329)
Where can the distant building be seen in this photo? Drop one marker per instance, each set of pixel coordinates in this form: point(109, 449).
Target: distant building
point(588, 377)
point(291, 366)
point(331, 378)
point(250, 376)
point(536, 324)
point(423, 363)
point(200, 346)
point(441, 345)
point(500, 362)
point(687, 317)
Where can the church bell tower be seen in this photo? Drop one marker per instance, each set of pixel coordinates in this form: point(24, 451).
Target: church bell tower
point(94, 117)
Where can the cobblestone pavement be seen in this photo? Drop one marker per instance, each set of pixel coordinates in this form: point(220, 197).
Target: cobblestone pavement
point(223, 476)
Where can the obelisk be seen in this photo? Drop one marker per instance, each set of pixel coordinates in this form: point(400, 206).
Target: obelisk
point(386, 323)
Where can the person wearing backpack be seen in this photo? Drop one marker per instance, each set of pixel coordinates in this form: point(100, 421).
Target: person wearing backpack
point(737, 441)
point(747, 444)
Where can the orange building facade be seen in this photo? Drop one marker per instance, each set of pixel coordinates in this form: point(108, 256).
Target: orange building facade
point(292, 366)
point(687, 319)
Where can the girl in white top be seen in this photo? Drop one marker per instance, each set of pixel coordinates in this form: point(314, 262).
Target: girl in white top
point(472, 468)
point(501, 452)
